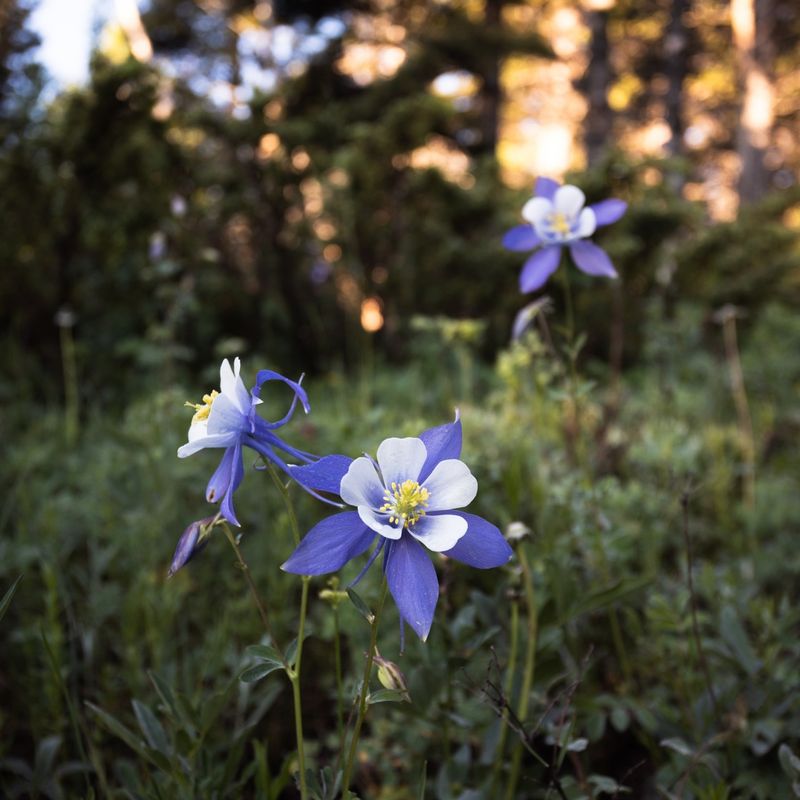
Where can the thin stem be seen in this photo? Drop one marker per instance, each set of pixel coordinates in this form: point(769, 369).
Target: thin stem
point(297, 697)
point(337, 646)
point(294, 670)
point(242, 564)
point(362, 700)
point(575, 422)
point(530, 666)
point(701, 654)
point(509, 688)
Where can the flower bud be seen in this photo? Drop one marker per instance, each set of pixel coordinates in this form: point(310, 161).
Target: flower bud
point(192, 541)
point(391, 677)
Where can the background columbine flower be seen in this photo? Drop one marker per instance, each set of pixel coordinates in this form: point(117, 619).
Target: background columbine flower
point(557, 217)
point(228, 419)
point(405, 500)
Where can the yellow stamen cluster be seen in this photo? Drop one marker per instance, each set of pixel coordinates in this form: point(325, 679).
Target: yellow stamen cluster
point(405, 501)
point(558, 222)
point(202, 410)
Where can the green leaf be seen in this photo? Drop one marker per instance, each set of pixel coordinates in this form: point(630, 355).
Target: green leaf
point(259, 671)
point(115, 727)
point(423, 780)
point(151, 728)
point(6, 601)
point(360, 605)
point(735, 637)
point(678, 745)
point(265, 652)
point(606, 597)
point(387, 696)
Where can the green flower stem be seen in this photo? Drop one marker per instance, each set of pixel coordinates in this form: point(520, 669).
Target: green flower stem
point(362, 700)
point(337, 647)
point(530, 666)
point(294, 670)
point(513, 652)
point(242, 564)
point(575, 433)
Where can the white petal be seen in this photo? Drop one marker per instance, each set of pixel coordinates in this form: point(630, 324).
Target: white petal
point(401, 459)
point(536, 210)
point(198, 430)
point(569, 200)
point(361, 485)
point(231, 385)
point(439, 532)
point(226, 416)
point(218, 440)
point(451, 485)
point(587, 224)
point(379, 523)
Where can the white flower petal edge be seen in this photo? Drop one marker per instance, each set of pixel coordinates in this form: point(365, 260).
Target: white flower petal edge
point(216, 440)
point(439, 533)
point(401, 459)
point(361, 486)
point(536, 210)
point(569, 200)
point(587, 224)
point(451, 485)
point(379, 523)
point(231, 385)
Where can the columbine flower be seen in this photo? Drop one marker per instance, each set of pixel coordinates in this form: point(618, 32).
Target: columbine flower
point(557, 217)
point(405, 502)
point(228, 419)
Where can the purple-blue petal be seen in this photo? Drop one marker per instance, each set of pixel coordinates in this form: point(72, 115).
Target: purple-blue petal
point(545, 187)
point(482, 546)
point(330, 544)
point(225, 480)
point(188, 546)
point(538, 268)
point(608, 211)
point(521, 238)
point(413, 583)
point(591, 259)
point(442, 442)
point(324, 475)
point(265, 375)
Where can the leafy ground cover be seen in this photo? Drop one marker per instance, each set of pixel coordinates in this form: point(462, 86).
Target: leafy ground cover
point(642, 641)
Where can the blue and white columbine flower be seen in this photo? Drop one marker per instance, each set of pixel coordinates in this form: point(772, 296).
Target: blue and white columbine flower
point(405, 503)
point(228, 419)
point(557, 217)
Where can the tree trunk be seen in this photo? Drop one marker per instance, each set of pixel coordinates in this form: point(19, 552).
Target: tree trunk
point(491, 93)
point(752, 23)
point(597, 80)
point(676, 46)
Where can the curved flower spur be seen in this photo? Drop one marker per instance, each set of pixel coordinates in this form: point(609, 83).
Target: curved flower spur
point(228, 419)
point(405, 500)
point(557, 217)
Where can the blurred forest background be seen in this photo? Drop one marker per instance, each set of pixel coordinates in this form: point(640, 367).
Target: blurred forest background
point(322, 187)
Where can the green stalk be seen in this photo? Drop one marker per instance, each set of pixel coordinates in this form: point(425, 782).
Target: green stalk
point(337, 647)
point(362, 700)
point(530, 667)
point(508, 689)
point(294, 670)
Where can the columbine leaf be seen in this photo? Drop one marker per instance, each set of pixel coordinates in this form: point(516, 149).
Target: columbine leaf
point(387, 696)
point(259, 671)
point(360, 605)
point(263, 652)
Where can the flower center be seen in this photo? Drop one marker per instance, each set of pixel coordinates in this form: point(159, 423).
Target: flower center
point(202, 410)
point(558, 223)
point(405, 501)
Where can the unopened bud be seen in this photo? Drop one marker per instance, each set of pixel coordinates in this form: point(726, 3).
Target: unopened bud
point(391, 677)
point(192, 541)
